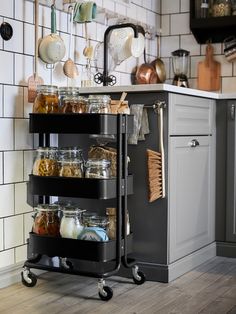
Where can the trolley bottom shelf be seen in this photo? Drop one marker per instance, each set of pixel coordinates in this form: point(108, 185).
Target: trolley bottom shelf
point(77, 257)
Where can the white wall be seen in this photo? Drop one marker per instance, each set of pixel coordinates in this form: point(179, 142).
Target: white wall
point(16, 144)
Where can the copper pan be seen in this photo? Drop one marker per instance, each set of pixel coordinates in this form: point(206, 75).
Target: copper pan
point(158, 64)
point(146, 73)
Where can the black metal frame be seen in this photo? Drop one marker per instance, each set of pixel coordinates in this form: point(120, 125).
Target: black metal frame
point(116, 251)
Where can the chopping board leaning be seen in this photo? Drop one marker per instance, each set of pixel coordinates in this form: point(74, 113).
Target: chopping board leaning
point(209, 72)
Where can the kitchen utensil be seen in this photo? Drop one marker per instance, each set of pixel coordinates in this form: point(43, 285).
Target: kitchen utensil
point(88, 50)
point(180, 61)
point(137, 45)
point(156, 163)
point(158, 64)
point(145, 73)
point(99, 58)
point(52, 48)
point(35, 80)
point(70, 69)
point(122, 98)
point(6, 31)
point(230, 48)
point(119, 44)
point(209, 72)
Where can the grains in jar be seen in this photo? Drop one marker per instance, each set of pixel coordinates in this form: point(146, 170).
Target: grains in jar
point(47, 100)
point(45, 163)
point(97, 169)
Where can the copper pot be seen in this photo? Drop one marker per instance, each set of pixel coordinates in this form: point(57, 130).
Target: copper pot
point(159, 65)
point(146, 73)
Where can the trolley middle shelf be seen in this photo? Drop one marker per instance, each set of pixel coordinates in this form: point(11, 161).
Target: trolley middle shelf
point(78, 187)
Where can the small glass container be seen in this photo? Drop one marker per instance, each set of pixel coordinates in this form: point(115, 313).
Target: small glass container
point(65, 91)
point(47, 100)
point(71, 224)
point(87, 216)
point(87, 77)
point(99, 104)
point(97, 169)
point(70, 162)
point(221, 8)
point(233, 2)
point(111, 214)
point(72, 104)
point(46, 221)
point(45, 163)
point(95, 229)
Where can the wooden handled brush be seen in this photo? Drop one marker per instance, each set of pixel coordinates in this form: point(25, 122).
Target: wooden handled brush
point(156, 164)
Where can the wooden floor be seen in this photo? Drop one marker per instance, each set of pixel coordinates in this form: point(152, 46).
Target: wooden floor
point(211, 288)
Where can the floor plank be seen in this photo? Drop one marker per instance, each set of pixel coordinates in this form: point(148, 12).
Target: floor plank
point(210, 288)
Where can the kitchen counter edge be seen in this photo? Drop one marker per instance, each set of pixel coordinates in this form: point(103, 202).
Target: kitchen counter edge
point(157, 88)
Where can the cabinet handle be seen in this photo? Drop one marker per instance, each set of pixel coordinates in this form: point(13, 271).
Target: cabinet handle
point(194, 143)
point(232, 112)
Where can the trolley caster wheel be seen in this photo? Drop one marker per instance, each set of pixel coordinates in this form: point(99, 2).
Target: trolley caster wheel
point(64, 263)
point(138, 276)
point(106, 294)
point(28, 279)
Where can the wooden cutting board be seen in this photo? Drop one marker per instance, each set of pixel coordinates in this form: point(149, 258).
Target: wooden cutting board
point(209, 72)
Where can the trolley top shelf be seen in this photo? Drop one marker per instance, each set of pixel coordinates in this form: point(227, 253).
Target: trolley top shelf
point(83, 123)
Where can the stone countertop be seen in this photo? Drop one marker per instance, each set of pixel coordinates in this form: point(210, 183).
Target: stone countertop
point(157, 88)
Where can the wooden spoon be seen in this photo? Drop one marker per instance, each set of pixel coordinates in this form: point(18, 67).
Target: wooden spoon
point(70, 69)
point(88, 50)
point(122, 98)
point(35, 80)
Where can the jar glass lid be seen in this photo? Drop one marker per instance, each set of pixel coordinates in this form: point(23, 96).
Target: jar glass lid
point(47, 88)
point(97, 162)
point(104, 98)
point(47, 208)
point(64, 90)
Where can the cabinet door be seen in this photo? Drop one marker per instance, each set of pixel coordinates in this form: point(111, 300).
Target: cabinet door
point(191, 195)
point(231, 175)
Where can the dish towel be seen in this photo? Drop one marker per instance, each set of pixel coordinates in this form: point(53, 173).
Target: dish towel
point(141, 124)
point(144, 129)
point(85, 11)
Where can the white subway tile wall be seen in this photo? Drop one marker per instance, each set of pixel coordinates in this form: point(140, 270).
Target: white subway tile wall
point(13, 170)
point(1, 168)
point(7, 200)
point(7, 258)
point(1, 234)
point(16, 63)
point(13, 231)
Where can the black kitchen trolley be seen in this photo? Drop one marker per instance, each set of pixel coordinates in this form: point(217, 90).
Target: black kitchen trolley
point(105, 257)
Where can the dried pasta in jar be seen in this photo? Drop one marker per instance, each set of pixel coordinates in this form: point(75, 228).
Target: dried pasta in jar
point(45, 163)
point(47, 100)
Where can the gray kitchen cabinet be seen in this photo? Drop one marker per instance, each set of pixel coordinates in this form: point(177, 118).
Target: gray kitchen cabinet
point(191, 170)
point(231, 174)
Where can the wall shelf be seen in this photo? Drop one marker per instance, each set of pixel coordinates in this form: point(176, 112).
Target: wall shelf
point(213, 29)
